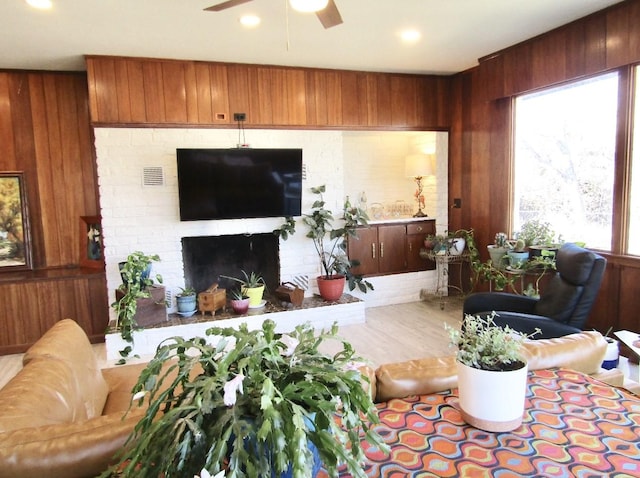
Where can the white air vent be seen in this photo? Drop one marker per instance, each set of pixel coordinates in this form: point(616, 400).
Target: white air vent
point(153, 176)
point(301, 281)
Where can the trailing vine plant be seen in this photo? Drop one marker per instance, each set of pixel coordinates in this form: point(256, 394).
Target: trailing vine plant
point(135, 273)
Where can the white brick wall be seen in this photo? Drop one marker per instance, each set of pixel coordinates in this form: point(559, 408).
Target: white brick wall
point(147, 218)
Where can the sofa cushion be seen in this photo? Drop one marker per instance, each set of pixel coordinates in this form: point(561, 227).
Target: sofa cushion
point(68, 342)
point(415, 377)
point(44, 392)
point(583, 352)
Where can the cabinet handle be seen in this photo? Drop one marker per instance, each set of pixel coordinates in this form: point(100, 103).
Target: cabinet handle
point(419, 229)
point(381, 250)
point(373, 250)
point(410, 247)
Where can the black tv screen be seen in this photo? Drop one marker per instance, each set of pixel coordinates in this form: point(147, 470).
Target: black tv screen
point(239, 183)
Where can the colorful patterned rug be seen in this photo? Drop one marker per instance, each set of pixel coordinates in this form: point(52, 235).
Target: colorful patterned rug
point(573, 426)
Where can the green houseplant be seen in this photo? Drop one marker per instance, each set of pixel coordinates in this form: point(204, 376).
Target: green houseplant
point(492, 373)
point(250, 403)
point(252, 285)
point(330, 243)
point(136, 281)
point(239, 301)
point(186, 301)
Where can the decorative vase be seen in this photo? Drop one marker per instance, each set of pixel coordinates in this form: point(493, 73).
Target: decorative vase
point(240, 306)
point(331, 288)
point(456, 246)
point(254, 294)
point(492, 400)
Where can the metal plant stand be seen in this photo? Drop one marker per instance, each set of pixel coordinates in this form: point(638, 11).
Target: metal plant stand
point(443, 261)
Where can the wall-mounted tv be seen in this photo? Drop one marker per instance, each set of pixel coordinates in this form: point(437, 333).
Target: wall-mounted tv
point(239, 183)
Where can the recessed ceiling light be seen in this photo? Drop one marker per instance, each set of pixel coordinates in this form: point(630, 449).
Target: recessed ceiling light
point(410, 36)
point(250, 21)
point(41, 4)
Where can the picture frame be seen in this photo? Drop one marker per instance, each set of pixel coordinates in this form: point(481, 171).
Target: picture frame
point(15, 234)
point(91, 246)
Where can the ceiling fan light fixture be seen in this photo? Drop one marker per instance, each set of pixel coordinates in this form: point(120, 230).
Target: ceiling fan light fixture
point(308, 6)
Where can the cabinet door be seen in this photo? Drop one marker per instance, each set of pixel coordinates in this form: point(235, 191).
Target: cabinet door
point(416, 232)
point(364, 249)
point(391, 248)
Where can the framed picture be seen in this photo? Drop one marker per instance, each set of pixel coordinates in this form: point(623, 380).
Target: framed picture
point(15, 239)
point(91, 247)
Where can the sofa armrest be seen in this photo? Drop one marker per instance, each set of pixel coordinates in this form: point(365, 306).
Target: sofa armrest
point(70, 450)
point(415, 377)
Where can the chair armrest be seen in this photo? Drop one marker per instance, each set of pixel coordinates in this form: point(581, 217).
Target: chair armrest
point(70, 450)
point(489, 301)
point(528, 323)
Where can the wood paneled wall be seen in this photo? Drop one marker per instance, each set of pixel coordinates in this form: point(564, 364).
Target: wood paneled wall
point(481, 109)
point(138, 91)
point(45, 132)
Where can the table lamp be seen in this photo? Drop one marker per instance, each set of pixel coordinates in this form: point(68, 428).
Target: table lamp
point(418, 166)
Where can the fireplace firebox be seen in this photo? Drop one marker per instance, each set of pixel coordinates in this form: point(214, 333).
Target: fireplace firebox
point(207, 258)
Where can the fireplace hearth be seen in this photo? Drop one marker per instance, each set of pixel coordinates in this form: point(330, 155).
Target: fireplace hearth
point(207, 258)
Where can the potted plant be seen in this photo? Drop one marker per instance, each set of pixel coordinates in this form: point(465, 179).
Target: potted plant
point(537, 236)
point(498, 250)
point(330, 243)
point(518, 255)
point(186, 301)
point(492, 373)
point(252, 286)
point(136, 284)
point(250, 403)
point(239, 301)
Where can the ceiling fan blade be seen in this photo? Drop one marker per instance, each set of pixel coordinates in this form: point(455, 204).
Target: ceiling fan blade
point(225, 5)
point(329, 16)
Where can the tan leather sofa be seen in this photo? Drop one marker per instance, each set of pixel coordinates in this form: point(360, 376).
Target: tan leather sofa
point(62, 417)
point(583, 352)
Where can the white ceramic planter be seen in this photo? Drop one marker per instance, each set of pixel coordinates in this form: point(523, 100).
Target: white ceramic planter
point(492, 401)
point(612, 355)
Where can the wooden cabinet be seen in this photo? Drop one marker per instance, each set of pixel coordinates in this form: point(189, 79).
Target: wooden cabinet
point(390, 248)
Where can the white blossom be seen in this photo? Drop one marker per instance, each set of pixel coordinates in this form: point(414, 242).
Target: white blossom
point(231, 388)
point(354, 366)
point(139, 395)
point(205, 474)
point(290, 343)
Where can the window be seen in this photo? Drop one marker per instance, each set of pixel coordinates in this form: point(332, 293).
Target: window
point(633, 246)
point(564, 159)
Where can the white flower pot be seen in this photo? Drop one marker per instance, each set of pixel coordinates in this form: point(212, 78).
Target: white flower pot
point(612, 355)
point(492, 401)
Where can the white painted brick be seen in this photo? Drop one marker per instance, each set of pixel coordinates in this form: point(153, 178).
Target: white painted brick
point(147, 218)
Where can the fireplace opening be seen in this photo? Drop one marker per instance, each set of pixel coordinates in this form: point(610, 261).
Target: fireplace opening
point(206, 258)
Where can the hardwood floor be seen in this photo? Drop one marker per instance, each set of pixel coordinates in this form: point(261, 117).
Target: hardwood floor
point(391, 334)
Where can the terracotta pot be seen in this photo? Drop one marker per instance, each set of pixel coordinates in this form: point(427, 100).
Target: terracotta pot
point(331, 289)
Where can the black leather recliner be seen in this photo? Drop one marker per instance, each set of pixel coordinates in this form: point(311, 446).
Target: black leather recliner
point(563, 307)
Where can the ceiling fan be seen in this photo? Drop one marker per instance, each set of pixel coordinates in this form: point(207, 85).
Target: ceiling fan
point(329, 15)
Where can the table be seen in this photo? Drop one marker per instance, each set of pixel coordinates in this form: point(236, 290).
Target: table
point(629, 339)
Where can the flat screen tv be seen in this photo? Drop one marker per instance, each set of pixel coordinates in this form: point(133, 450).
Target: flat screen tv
point(239, 183)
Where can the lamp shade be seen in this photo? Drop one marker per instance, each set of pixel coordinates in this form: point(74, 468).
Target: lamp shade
point(308, 5)
point(418, 166)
